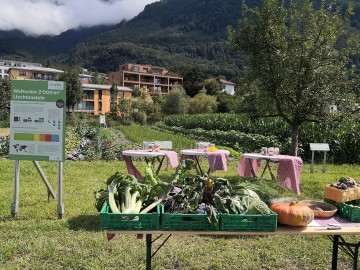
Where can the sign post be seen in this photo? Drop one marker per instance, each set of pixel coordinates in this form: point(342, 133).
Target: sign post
point(323, 147)
point(102, 121)
point(37, 130)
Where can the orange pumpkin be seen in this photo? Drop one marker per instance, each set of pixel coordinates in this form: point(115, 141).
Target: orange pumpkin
point(293, 213)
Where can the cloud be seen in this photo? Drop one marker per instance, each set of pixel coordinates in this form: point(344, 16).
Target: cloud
point(52, 17)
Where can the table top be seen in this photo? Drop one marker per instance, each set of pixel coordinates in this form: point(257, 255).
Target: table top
point(200, 152)
point(259, 156)
point(142, 153)
point(281, 230)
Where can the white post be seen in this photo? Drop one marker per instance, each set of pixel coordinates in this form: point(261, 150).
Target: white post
point(15, 204)
point(312, 162)
point(324, 163)
point(60, 206)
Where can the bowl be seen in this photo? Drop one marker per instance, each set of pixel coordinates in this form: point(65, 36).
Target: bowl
point(321, 209)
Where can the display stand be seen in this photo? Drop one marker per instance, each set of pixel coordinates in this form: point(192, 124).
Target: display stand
point(322, 147)
point(15, 204)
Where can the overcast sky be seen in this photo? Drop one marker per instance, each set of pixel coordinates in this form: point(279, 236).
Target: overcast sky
point(38, 17)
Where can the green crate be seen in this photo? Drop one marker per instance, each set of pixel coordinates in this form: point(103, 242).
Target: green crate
point(186, 222)
point(258, 223)
point(129, 222)
point(350, 212)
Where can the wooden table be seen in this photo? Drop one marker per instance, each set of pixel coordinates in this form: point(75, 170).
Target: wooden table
point(351, 249)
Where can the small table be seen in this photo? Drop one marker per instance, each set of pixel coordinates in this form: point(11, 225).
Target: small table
point(149, 156)
point(217, 160)
point(288, 173)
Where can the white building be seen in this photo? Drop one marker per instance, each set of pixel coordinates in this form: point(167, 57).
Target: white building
point(227, 87)
point(6, 64)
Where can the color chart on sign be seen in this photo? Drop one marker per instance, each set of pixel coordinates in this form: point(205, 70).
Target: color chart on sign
point(37, 137)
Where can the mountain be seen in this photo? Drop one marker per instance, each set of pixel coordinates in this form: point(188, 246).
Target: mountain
point(180, 35)
point(15, 45)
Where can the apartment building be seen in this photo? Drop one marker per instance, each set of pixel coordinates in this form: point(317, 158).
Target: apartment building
point(156, 80)
point(6, 64)
point(97, 98)
point(32, 72)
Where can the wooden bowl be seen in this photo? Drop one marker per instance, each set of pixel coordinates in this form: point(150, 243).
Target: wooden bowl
point(321, 209)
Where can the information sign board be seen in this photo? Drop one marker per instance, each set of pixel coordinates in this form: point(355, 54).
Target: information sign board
point(37, 120)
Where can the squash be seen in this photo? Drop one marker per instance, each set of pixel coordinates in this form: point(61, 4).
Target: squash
point(293, 213)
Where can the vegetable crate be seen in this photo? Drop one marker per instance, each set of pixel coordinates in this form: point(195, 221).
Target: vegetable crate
point(129, 222)
point(186, 222)
point(244, 222)
point(351, 212)
point(347, 211)
point(341, 195)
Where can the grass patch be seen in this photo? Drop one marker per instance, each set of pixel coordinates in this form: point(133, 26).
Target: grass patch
point(37, 239)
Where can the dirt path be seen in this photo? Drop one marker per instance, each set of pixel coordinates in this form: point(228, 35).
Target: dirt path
point(120, 137)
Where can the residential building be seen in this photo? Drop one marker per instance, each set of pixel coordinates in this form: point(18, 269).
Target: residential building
point(227, 87)
point(6, 64)
point(97, 98)
point(34, 73)
point(156, 80)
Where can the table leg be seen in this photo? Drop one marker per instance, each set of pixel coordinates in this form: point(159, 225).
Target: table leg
point(160, 164)
point(148, 251)
point(335, 240)
point(252, 168)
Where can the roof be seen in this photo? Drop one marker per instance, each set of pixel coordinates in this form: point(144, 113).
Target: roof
point(91, 86)
point(226, 82)
point(44, 69)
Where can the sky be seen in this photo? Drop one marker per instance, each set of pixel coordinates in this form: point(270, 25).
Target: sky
point(52, 17)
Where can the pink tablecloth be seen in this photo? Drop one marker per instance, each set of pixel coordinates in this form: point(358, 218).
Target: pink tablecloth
point(171, 155)
point(245, 166)
point(289, 171)
point(218, 160)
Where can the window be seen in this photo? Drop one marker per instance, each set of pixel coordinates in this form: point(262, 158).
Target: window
point(22, 73)
point(136, 69)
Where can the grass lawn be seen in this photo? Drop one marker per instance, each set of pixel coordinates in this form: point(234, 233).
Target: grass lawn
point(37, 239)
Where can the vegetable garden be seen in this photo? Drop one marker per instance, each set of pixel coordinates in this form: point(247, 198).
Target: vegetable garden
point(247, 135)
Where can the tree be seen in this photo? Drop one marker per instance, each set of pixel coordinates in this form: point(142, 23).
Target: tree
point(176, 102)
point(294, 57)
point(113, 101)
point(212, 86)
point(4, 100)
point(74, 92)
point(192, 78)
point(4, 94)
point(202, 103)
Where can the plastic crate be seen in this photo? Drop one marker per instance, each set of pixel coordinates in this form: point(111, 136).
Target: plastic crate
point(341, 195)
point(350, 212)
point(238, 222)
point(186, 222)
point(129, 222)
